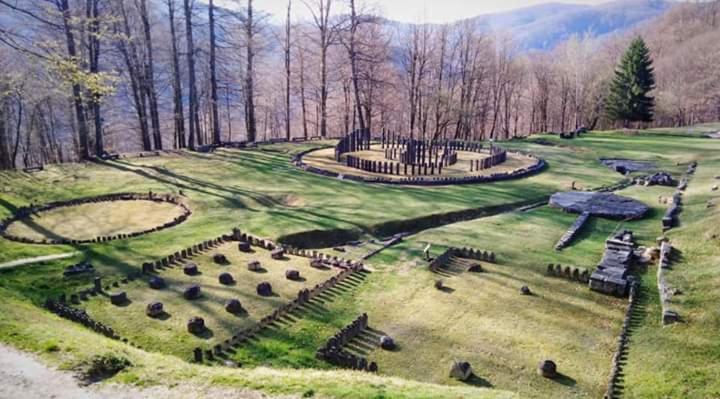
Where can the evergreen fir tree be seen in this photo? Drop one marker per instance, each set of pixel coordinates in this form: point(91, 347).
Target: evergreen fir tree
point(628, 99)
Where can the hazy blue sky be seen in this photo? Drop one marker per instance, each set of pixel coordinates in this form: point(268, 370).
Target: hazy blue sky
point(436, 11)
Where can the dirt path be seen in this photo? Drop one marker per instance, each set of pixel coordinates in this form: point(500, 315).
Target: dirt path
point(23, 376)
point(28, 261)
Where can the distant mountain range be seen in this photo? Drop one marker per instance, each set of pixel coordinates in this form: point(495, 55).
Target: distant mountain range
point(544, 26)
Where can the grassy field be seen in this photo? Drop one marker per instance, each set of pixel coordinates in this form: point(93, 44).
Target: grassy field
point(482, 318)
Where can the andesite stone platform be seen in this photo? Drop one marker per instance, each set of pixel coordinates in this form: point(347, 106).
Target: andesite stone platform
point(600, 204)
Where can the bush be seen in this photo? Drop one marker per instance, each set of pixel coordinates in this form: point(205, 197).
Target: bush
point(102, 367)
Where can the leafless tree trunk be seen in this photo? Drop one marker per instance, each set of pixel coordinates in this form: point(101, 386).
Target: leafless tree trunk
point(194, 106)
point(303, 103)
point(179, 118)
point(287, 72)
point(150, 77)
point(132, 63)
point(64, 8)
point(321, 18)
point(354, 23)
point(217, 139)
point(249, 88)
point(93, 15)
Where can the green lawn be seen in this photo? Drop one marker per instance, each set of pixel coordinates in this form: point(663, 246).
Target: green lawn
point(483, 320)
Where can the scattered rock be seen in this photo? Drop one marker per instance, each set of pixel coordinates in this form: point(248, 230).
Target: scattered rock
point(226, 279)
point(525, 290)
point(264, 289)
point(547, 369)
point(154, 309)
point(233, 306)
point(196, 325)
point(461, 371)
point(157, 283)
point(292, 275)
point(119, 298)
point(191, 269)
point(220, 259)
point(387, 343)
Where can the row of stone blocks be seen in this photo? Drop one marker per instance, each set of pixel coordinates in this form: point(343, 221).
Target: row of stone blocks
point(150, 267)
point(569, 272)
point(304, 296)
point(79, 316)
point(333, 352)
point(470, 253)
point(669, 220)
point(613, 390)
point(572, 231)
point(150, 196)
point(669, 315)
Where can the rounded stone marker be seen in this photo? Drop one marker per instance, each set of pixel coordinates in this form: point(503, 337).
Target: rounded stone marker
point(192, 292)
point(387, 343)
point(196, 325)
point(292, 274)
point(233, 306)
point(547, 369)
point(264, 289)
point(191, 269)
point(154, 309)
point(157, 283)
point(226, 279)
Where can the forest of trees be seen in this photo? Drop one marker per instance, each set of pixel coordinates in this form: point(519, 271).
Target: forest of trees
point(83, 78)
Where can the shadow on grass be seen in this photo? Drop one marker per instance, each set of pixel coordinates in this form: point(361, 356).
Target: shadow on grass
point(566, 380)
point(477, 381)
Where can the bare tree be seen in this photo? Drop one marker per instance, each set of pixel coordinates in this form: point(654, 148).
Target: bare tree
point(178, 117)
point(320, 11)
point(287, 72)
point(213, 77)
point(250, 122)
point(193, 99)
point(149, 81)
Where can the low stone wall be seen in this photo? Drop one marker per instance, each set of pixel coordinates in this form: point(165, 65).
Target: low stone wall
point(572, 273)
point(79, 316)
point(617, 363)
point(28, 211)
point(669, 315)
point(573, 231)
point(333, 353)
point(670, 219)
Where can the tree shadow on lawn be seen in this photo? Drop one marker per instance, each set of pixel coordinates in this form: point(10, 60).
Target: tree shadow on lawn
point(566, 380)
point(478, 381)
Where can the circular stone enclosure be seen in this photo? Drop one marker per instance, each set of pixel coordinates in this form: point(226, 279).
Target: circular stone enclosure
point(96, 219)
point(322, 161)
point(600, 204)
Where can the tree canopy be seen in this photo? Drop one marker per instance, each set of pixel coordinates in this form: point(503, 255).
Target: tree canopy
point(634, 79)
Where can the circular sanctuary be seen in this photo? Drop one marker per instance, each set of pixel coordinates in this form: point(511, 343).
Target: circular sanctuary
point(95, 219)
point(392, 159)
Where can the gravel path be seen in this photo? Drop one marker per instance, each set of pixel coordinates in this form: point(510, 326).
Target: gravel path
point(28, 261)
point(23, 376)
